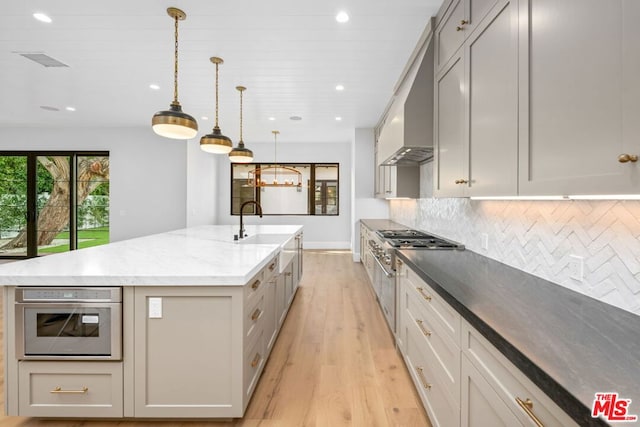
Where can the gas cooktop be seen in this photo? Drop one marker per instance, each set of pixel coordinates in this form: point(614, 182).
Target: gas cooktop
point(413, 239)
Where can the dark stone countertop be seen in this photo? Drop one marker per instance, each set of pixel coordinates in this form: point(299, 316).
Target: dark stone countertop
point(570, 345)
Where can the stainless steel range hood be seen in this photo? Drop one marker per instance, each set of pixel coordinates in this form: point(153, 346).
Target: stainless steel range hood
point(405, 134)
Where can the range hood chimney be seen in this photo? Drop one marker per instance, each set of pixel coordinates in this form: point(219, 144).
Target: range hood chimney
point(405, 135)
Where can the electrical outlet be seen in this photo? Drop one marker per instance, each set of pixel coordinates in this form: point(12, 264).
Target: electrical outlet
point(576, 267)
point(485, 241)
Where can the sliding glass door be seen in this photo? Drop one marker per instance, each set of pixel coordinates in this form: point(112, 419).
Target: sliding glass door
point(52, 202)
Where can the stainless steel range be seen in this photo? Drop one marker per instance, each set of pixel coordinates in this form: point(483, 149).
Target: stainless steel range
point(382, 248)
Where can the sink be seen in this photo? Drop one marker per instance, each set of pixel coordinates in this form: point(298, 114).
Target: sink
point(266, 239)
point(286, 242)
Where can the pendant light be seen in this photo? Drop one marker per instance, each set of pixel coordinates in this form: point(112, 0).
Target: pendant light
point(240, 154)
point(275, 175)
point(173, 123)
point(216, 142)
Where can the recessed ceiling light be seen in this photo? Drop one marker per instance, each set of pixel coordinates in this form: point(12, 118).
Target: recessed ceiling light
point(342, 17)
point(49, 108)
point(70, 108)
point(204, 118)
point(42, 17)
point(340, 87)
point(154, 86)
point(338, 119)
point(295, 118)
point(272, 118)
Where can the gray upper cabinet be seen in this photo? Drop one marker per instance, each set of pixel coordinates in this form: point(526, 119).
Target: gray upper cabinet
point(456, 21)
point(476, 95)
point(579, 90)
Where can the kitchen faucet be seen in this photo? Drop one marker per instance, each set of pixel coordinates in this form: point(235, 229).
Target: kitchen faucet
point(250, 202)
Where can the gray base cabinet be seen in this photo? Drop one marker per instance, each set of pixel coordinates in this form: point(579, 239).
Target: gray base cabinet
point(462, 379)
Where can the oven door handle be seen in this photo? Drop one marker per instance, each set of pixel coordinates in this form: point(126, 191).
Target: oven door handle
point(386, 273)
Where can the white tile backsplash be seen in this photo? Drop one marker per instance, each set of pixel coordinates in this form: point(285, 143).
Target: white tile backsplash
point(539, 237)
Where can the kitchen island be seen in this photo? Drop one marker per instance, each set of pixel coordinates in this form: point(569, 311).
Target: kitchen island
point(200, 313)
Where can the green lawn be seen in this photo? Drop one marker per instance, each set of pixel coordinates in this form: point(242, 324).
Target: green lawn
point(93, 236)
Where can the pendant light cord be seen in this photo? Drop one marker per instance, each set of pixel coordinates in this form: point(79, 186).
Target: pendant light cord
point(241, 141)
point(175, 65)
point(217, 94)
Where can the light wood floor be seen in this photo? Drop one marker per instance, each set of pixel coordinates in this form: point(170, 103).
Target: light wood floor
point(334, 364)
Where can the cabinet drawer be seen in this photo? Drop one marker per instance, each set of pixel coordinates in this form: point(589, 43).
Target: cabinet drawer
point(254, 359)
point(443, 355)
point(510, 383)
point(445, 320)
point(253, 316)
point(443, 410)
point(70, 389)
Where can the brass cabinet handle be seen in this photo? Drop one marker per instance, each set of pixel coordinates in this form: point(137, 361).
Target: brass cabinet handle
point(255, 360)
point(255, 284)
point(272, 266)
point(287, 273)
point(624, 158)
point(464, 22)
point(425, 296)
point(424, 330)
point(256, 314)
point(60, 390)
point(459, 28)
point(527, 406)
point(461, 181)
point(423, 380)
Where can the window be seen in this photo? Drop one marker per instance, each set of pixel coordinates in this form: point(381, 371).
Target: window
point(284, 189)
point(52, 202)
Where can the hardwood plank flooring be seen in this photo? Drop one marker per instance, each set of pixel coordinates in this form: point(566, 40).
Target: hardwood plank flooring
point(334, 363)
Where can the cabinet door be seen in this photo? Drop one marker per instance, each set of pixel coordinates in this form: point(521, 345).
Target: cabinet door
point(480, 405)
point(188, 355)
point(281, 306)
point(579, 83)
point(492, 80)
point(449, 33)
point(270, 321)
point(450, 130)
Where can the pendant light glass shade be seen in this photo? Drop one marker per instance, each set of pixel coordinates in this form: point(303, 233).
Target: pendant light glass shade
point(174, 123)
point(216, 142)
point(240, 154)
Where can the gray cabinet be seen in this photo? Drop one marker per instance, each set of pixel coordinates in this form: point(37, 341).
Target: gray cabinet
point(579, 90)
point(477, 109)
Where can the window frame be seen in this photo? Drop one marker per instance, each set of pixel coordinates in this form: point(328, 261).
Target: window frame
point(310, 184)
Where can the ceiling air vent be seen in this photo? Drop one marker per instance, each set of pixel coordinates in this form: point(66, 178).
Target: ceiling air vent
point(44, 60)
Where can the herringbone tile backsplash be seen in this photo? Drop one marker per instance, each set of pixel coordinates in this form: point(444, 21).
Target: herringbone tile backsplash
point(539, 237)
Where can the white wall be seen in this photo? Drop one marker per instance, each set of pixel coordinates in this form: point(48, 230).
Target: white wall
point(364, 204)
point(539, 237)
point(320, 232)
point(148, 178)
point(202, 185)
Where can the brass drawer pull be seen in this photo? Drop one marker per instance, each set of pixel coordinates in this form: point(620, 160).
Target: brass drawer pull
point(272, 266)
point(256, 314)
point(255, 360)
point(60, 390)
point(423, 380)
point(424, 295)
point(461, 181)
point(287, 273)
point(527, 406)
point(255, 284)
point(624, 158)
point(424, 330)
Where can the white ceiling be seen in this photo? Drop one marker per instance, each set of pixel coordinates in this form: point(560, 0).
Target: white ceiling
point(290, 54)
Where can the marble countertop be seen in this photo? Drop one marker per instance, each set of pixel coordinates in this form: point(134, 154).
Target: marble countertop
point(198, 256)
point(570, 345)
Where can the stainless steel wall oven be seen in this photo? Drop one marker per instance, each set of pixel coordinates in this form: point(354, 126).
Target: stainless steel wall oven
point(68, 323)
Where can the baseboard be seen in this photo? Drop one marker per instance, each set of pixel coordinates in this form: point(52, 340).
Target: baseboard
point(356, 257)
point(327, 245)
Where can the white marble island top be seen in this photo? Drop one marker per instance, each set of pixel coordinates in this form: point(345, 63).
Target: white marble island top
point(198, 256)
